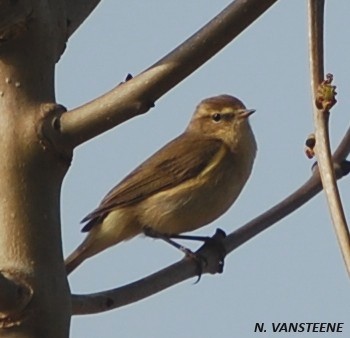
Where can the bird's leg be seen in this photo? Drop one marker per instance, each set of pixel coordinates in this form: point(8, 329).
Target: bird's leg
point(191, 238)
point(214, 242)
point(209, 241)
point(198, 258)
point(149, 232)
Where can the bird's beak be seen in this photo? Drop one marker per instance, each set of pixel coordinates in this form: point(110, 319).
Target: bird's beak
point(246, 112)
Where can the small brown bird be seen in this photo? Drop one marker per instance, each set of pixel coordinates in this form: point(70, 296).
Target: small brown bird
point(185, 185)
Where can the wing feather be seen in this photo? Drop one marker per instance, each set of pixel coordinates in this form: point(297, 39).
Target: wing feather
point(173, 164)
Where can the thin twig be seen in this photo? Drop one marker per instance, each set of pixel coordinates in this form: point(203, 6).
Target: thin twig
point(323, 98)
point(343, 149)
point(316, 13)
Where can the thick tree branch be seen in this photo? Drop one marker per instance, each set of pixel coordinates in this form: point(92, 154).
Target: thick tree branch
point(176, 273)
point(30, 174)
point(323, 98)
point(139, 94)
point(13, 15)
point(78, 11)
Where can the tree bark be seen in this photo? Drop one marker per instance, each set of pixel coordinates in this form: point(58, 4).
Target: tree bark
point(77, 12)
point(31, 171)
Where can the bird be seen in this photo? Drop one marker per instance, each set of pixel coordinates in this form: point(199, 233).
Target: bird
point(187, 184)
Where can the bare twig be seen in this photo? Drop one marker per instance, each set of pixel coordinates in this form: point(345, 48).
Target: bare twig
point(78, 11)
point(114, 298)
point(343, 149)
point(176, 273)
point(139, 94)
point(323, 97)
point(315, 12)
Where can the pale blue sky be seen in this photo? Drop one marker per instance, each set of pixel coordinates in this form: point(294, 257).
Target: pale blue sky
point(291, 272)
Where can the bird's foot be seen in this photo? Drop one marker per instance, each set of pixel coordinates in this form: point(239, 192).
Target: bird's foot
point(214, 244)
point(211, 244)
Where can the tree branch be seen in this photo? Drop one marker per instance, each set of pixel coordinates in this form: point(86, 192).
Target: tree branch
point(178, 272)
point(12, 17)
point(77, 12)
point(324, 99)
point(139, 94)
point(316, 13)
point(343, 149)
point(114, 298)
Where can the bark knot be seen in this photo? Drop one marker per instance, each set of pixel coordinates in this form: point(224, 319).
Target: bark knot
point(49, 132)
point(20, 294)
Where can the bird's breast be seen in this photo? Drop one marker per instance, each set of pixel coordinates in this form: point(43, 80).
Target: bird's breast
point(199, 200)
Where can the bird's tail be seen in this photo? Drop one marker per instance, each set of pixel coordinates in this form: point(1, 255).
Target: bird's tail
point(92, 244)
point(76, 258)
point(115, 228)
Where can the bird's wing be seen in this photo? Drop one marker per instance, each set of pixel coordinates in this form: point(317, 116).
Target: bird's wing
point(173, 164)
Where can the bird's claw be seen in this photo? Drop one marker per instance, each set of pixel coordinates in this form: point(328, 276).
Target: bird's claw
point(200, 261)
point(215, 243)
point(212, 243)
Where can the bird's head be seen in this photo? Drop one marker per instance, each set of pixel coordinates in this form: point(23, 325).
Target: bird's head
point(222, 117)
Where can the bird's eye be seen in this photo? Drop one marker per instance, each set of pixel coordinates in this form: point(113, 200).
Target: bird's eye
point(216, 117)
